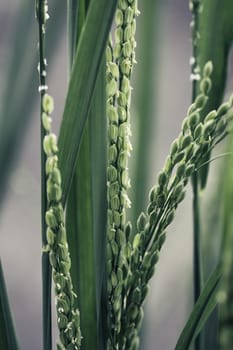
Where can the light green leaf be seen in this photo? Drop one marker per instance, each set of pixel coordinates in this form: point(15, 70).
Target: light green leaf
point(143, 102)
point(79, 219)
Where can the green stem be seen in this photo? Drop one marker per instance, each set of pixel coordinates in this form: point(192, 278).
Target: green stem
point(197, 258)
point(46, 268)
point(198, 275)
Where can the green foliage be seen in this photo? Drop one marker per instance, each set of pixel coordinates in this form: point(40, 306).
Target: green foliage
point(214, 41)
point(225, 292)
point(100, 263)
point(85, 69)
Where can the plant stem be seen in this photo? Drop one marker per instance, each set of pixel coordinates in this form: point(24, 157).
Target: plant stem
point(198, 273)
point(46, 268)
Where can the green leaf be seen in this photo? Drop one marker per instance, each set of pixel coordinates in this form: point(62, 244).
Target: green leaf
point(86, 65)
point(86, 214)
point(226, 288)
point(79, 221)
point(143, 103)
point(201, 312)
point(8, 340)
point(216, 35)
point(98, 134)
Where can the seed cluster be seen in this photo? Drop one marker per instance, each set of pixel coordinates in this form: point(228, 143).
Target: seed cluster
point(120, 58)
point(195, 141)
point(68, 318)
point(142, 249)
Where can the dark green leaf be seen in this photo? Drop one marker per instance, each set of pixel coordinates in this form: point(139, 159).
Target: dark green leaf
point(98, 177)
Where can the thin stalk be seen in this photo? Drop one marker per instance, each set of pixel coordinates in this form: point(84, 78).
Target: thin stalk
point(46, 268)
point(198, 271)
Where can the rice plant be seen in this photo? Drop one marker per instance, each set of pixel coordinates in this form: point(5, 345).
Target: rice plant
point(99, 254)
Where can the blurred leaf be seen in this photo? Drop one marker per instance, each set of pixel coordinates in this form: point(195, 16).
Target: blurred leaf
point(143, 116)
point(216, 35)
point(8, 340)
point(22, 81)
point(226, 288)
point(201, 312)
point(143, 111)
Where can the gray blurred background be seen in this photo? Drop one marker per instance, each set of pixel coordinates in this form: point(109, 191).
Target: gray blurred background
point(170, 295)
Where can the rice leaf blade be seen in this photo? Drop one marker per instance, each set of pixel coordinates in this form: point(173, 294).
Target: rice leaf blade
point(226, 290)
point(85, 222)
point(201, 311)
point(81, 243)
point(215, 39)
point(86, 65)
point(144, 102)
point(99, 190)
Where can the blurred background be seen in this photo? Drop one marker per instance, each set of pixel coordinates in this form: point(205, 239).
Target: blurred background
point(170, 297)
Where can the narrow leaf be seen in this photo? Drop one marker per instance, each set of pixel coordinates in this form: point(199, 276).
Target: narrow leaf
point(81, 243)
point(201, 312)
point(226, 290)
point(143, 117)
point(8, 340)
point(85, 208)
point(215, 38)
point(99, 189)
point(86, 65)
